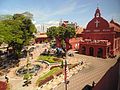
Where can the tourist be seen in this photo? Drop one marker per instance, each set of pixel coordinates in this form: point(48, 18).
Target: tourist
point(7, 79)
point(81, 62)
point(93, 84)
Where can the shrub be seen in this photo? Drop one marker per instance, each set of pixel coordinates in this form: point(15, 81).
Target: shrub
point(57, 59)
point(59, 72)
point(41, 82)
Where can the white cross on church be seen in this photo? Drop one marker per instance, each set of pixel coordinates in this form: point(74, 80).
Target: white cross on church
point(97, 23)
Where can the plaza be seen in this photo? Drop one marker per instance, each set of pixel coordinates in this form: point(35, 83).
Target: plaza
point(59, 45)
point(93, 69)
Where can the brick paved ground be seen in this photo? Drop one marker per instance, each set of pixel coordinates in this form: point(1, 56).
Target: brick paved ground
point(97, 68)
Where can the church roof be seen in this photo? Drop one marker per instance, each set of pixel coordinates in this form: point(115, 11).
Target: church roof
point(115, 25)
point(97, 22)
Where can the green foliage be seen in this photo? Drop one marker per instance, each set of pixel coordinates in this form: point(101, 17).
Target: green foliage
point(51, 72)
point(60, 31)
point(51, 32)
point(27, 76)
point(50, 59)
point(62, 64)
point(17, 32)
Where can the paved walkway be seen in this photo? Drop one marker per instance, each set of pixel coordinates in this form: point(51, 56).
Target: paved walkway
point(97, 68)
point(94, 70)
point(17, 82)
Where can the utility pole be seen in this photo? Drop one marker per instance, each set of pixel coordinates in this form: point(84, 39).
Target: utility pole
point(65, 77)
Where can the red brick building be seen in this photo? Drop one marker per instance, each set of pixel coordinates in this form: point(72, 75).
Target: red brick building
point(41, 37)
point(100, 38)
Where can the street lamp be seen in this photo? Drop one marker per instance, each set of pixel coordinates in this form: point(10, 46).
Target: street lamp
point(65, 75)
point(27, 76)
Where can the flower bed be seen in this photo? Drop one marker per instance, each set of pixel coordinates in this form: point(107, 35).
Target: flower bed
point(41, 82)
point(59, 72)
point(48, 76)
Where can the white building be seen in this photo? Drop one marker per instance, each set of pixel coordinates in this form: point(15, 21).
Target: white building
point(43, 27)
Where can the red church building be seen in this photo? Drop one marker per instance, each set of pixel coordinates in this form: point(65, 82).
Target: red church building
point(100, 38)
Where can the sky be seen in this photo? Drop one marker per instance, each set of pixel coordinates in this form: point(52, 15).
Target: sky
point(52, 11)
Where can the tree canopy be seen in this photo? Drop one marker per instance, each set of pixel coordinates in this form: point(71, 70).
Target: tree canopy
point(61, 32)
point(61, 35)
point(16, 32)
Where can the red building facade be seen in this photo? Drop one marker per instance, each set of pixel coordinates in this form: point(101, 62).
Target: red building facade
point(100, 39)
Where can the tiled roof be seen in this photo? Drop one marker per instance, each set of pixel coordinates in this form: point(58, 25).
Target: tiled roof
point(115, 25)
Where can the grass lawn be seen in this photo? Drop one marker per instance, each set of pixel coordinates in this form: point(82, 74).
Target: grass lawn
point(50, 59)
point(51, 72)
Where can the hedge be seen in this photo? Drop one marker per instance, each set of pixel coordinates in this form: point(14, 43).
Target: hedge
point(49, 74)
point(41, 82)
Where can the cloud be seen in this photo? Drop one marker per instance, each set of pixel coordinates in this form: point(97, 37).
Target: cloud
point(52, 22)
point(66, 8)
point(115, 16)
point(43, 15)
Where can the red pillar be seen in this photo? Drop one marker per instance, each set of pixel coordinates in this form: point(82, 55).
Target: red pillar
point(87, 51)
point(58, 42)
point(67, 43)
point(80, 48)
point(105, 52)
point(95, 51)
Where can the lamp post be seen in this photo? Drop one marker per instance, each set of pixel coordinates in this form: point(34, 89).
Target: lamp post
point(27, 76)
point(65, 77)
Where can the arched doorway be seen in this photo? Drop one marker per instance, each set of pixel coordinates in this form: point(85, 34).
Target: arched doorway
point(108, 51)
point(83, 50)
point(100, 52)
point(91, 51)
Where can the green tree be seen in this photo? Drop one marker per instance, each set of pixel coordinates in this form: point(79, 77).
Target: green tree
point(62, 64)
point(61, 32)
point(17, 32)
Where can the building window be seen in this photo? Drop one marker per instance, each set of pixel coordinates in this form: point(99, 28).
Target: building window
point(106, 29)
point(96, 30)
point(87, 30)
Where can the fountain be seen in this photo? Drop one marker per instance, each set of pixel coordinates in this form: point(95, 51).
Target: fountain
point(32, 69)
